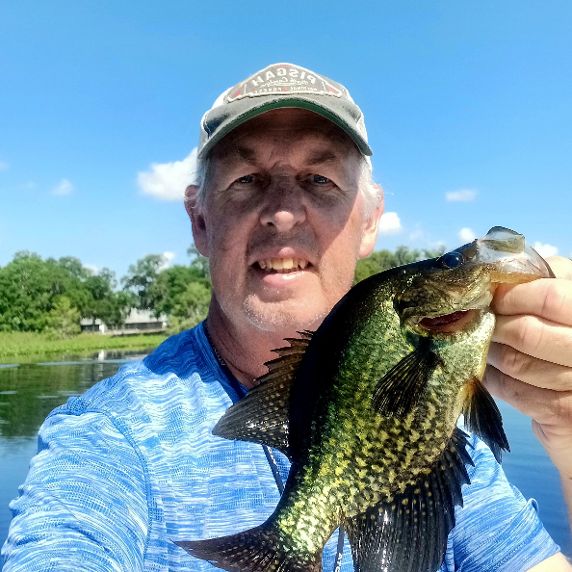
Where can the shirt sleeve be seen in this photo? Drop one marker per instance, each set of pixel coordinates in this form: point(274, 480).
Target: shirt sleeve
point(497, 528)
point(83, 504)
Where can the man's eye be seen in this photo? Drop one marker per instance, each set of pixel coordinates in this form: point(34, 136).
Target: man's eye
point(320, 180)
point(246, 180)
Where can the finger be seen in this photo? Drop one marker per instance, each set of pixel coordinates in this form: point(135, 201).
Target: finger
point(531, 370)
point(557, 440)
point(535, 337)
point(546, 298)
point(545, 406)
point(561, 266)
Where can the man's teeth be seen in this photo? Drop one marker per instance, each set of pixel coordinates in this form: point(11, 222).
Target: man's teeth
point(283, 264)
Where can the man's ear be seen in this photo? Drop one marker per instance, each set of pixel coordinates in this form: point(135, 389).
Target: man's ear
point(371, 223)
point(197, 218)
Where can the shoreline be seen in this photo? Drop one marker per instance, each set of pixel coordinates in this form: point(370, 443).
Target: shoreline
point(28, 347)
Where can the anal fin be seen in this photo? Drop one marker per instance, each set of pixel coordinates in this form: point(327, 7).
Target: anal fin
point(409, 534)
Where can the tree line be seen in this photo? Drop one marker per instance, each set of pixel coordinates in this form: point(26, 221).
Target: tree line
point(53, 295)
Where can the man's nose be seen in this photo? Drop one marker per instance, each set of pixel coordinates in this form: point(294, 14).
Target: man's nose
point(284, 206)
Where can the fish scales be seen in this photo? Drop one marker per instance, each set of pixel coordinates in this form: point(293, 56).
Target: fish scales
point(367, 409)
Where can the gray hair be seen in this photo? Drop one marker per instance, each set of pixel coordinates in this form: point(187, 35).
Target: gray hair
point(372, 192)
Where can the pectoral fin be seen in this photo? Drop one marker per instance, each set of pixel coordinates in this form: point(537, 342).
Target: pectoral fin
point(482, 416)
point(400, 388)
point(262, 416)
point(410, 533)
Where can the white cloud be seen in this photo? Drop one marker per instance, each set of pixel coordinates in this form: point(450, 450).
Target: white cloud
point(168, 181)
point(63, 188)
point(416, 235)
point(545, 249)
point(389, 223)
point(4, 166)
point(93, 268)
point(461, 195)
point(167, 257)
point(467, 234)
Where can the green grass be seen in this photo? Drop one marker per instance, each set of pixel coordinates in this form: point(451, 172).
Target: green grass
point(24, 347)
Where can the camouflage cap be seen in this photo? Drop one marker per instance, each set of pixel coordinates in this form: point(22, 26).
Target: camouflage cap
point(278, 86)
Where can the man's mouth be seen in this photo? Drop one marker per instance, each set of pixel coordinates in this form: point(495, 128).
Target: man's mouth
point(281, 265)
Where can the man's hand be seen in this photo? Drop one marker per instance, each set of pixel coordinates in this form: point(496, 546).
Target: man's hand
point(530, 359)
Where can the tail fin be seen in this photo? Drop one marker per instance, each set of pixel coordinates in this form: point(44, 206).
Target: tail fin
point(259, 549)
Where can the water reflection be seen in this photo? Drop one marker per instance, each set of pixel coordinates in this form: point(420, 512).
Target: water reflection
point(28, 392)
point(33, 391)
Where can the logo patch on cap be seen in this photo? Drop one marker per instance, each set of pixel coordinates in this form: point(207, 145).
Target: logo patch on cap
point(280, 79)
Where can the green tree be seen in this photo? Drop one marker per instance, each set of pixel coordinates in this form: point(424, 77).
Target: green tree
point(118, 309)
point(199, 262)
point(73, 267)
point(182, 293)
point(140, 278)
point(63, 320)
point(39, 295)
point(74, 284)
point(104, 302)
point(381, 260)
point(190, 306)
point(29, 287)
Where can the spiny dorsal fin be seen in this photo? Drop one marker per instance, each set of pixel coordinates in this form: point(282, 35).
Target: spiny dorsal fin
point(482, 416)
point(263, 415)
point(410, 532)
point(289, 357)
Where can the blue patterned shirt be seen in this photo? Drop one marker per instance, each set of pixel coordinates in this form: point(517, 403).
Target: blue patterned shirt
point(132, 465)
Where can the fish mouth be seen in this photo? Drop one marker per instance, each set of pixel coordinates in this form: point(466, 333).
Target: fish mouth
point(448, 323)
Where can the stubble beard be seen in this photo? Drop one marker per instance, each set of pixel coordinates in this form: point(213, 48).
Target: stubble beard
point(284, 318)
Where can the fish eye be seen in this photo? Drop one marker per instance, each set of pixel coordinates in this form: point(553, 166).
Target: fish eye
point(452, 259)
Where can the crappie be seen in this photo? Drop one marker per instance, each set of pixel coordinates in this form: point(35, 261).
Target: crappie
point(367, 407)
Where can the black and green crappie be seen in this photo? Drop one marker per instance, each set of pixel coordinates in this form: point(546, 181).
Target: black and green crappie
point(367, 407)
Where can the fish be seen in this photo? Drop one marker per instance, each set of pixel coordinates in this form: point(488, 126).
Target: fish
point(367, 409)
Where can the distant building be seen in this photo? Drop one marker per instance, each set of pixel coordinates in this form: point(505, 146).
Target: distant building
point(137, 322)
point(90, 325)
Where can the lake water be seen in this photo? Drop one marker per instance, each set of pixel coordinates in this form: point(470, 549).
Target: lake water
point(29, 392)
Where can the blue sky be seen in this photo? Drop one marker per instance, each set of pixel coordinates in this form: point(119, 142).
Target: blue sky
point(468, 107)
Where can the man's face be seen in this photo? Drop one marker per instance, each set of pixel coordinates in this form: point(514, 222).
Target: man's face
point(282, 221)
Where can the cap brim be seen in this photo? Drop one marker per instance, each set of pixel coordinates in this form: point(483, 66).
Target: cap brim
point(268, 103)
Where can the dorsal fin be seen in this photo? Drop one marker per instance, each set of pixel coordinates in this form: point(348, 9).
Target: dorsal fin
point(289, 357)
point(262, 416)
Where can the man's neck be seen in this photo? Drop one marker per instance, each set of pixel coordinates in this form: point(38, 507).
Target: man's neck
point(243, 352)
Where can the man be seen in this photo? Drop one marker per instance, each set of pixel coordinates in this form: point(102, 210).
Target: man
point(284, 208)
